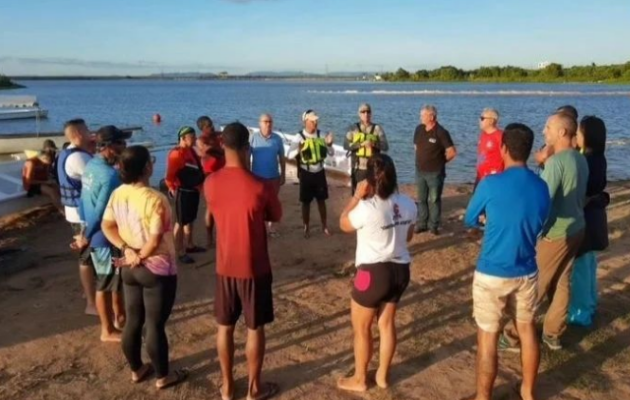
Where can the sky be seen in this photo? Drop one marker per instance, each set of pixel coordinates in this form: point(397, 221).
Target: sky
point(137, 37)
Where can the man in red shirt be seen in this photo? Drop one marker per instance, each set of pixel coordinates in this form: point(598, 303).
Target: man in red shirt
point(489, 161)
point(241, 204)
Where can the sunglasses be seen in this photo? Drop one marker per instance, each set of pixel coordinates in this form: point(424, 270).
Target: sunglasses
point(484, 118)
point(366, 112)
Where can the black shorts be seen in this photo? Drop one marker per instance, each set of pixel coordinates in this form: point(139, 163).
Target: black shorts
point(313, 185)
point(85, 257)
point(251, 297)
point(186, 206)
point(376, 284)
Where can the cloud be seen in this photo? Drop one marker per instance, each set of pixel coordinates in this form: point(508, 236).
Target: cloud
point(75, 62)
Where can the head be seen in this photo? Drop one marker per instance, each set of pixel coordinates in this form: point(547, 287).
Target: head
point(428, 115)
point(49, 145)
point(186, 136)
point(110, 142)
point(365, 114)
point(568, 110)
point(136, 165)
point(77, 133)
point(488, 120)
point(236, 143)
point(205, 125)
point(47, 157)
point(560, 130)
point(381, 176)
point(591, 135)
point(265, 122)
point(310, 120)
point(518, 140)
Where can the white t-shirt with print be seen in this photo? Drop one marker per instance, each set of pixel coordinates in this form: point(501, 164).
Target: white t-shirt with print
point(382, 227)
point(75, 166)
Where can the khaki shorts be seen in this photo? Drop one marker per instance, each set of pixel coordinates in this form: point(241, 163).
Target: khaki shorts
point(495, 298)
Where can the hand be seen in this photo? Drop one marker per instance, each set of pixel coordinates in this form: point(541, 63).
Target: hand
point(80, 243)
point(283, 180)
point(131, 258)
point(482, 219)
point(329, 139)
point(172, 193)
point(362, 189)
point(543, 154)
point(367, 143)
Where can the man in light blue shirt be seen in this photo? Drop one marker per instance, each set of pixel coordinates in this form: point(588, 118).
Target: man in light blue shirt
point(268, 158)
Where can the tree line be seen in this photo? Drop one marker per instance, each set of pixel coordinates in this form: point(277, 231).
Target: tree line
point(6, 83)
point(615, 73)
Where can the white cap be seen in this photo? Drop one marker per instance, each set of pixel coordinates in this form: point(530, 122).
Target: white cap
point(309, 115)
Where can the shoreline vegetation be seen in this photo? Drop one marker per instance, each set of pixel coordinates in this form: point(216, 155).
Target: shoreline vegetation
point(550, 73)
point(7, 83)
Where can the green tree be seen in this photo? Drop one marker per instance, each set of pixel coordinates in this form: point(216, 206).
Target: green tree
point(402, 74)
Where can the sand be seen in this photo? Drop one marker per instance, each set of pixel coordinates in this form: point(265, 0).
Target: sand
point(50, 350)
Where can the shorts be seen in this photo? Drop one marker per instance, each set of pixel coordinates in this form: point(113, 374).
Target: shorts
point(107, 277)
point(34, 190)
point(313, 185)
point(84, 255)
point(274, 184)
point(380, 283)
point(251, 297)
point(186, 206)
point(495, 298)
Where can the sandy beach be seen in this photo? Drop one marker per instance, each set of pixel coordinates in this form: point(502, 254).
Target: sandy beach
point(50, 350)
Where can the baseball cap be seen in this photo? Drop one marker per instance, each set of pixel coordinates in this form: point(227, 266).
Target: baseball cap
point(110, 133)
point(185, 130)
point(365, 107)
point(309, 115)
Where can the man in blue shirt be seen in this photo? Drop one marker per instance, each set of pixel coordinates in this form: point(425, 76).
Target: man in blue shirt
point(98, 182)
point(267, 151)
point(514, 206)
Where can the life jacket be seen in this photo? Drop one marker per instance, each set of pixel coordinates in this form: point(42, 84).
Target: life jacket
point(313, 150)
point(41, 172)
point(360, 137)
point(69, 188)
point(191, 175)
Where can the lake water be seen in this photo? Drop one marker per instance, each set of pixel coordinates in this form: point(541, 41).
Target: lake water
point(395, 107)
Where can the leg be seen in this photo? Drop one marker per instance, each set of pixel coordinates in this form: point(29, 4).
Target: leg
point(306, 218)
point(225, 349)
point(435, 183)
point(132, 334)
point(530, 358)
point(104, 306)
point(387, 332)
point(188, 235)
point(362, 318)
point(178, 235)
point(423, 195)
point(255, 352)
point(321, 205)
point(486, 363)
point(86, 273)
point(118, 305)
point(209, 228)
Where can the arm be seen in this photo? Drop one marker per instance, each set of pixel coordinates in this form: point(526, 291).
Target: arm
point(344, 221)
point(451, 152)
point(382, 143)
point(476, 206)
point(352, 217)
point(552, 177)
point(91, 221)
point(347, 142)
point(173, 165)
point(282, 160)
point(447, 142)
point(410, 232)
point(294, 148)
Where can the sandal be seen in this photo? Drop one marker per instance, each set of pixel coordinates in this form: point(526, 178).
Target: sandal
point(179, 376)
point(271, 390)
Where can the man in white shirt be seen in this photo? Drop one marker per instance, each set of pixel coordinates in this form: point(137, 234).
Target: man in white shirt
point(70, 167)
point(310, 149)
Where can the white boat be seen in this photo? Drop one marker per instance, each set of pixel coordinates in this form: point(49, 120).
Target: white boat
point(20, 107)
point(18, 142)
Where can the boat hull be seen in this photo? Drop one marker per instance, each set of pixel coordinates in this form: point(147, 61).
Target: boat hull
point(23, 114)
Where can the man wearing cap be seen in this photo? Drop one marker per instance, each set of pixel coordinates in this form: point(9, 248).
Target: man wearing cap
point(99, 180)
point(184, 176)
point(268, 158)
point(310, 149)
point(70, 167)
point(434, 148)
point(489, 160)
point(363, 140)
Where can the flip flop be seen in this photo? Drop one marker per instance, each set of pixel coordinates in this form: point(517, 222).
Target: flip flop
point(272, 390)
point(195, 249)
point(147, 373)
point(180, 376)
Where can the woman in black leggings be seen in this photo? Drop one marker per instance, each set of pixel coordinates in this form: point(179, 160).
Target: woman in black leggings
point(138, 221)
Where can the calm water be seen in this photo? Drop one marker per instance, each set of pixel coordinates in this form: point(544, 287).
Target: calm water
point(395, 106)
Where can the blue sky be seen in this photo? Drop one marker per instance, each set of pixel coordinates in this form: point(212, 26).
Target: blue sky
point(141, 36)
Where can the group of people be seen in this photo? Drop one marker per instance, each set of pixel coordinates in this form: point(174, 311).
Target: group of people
point(538, 231)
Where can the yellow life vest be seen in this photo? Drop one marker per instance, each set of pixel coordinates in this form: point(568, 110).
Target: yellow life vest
point(313, 150)
point(360, 137)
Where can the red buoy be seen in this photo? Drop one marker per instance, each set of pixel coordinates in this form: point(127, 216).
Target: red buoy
point(157, 118)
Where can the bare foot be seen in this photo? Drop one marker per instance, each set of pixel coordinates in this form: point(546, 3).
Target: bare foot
point(326, 232)
point(112, 337)
point(223, 395)
point(381, 379)
point(307, 232)
point(119, 322)
point(267, 391)
point(142, 374)
point(91, 310)
point(352, 384)
point(525, 394)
